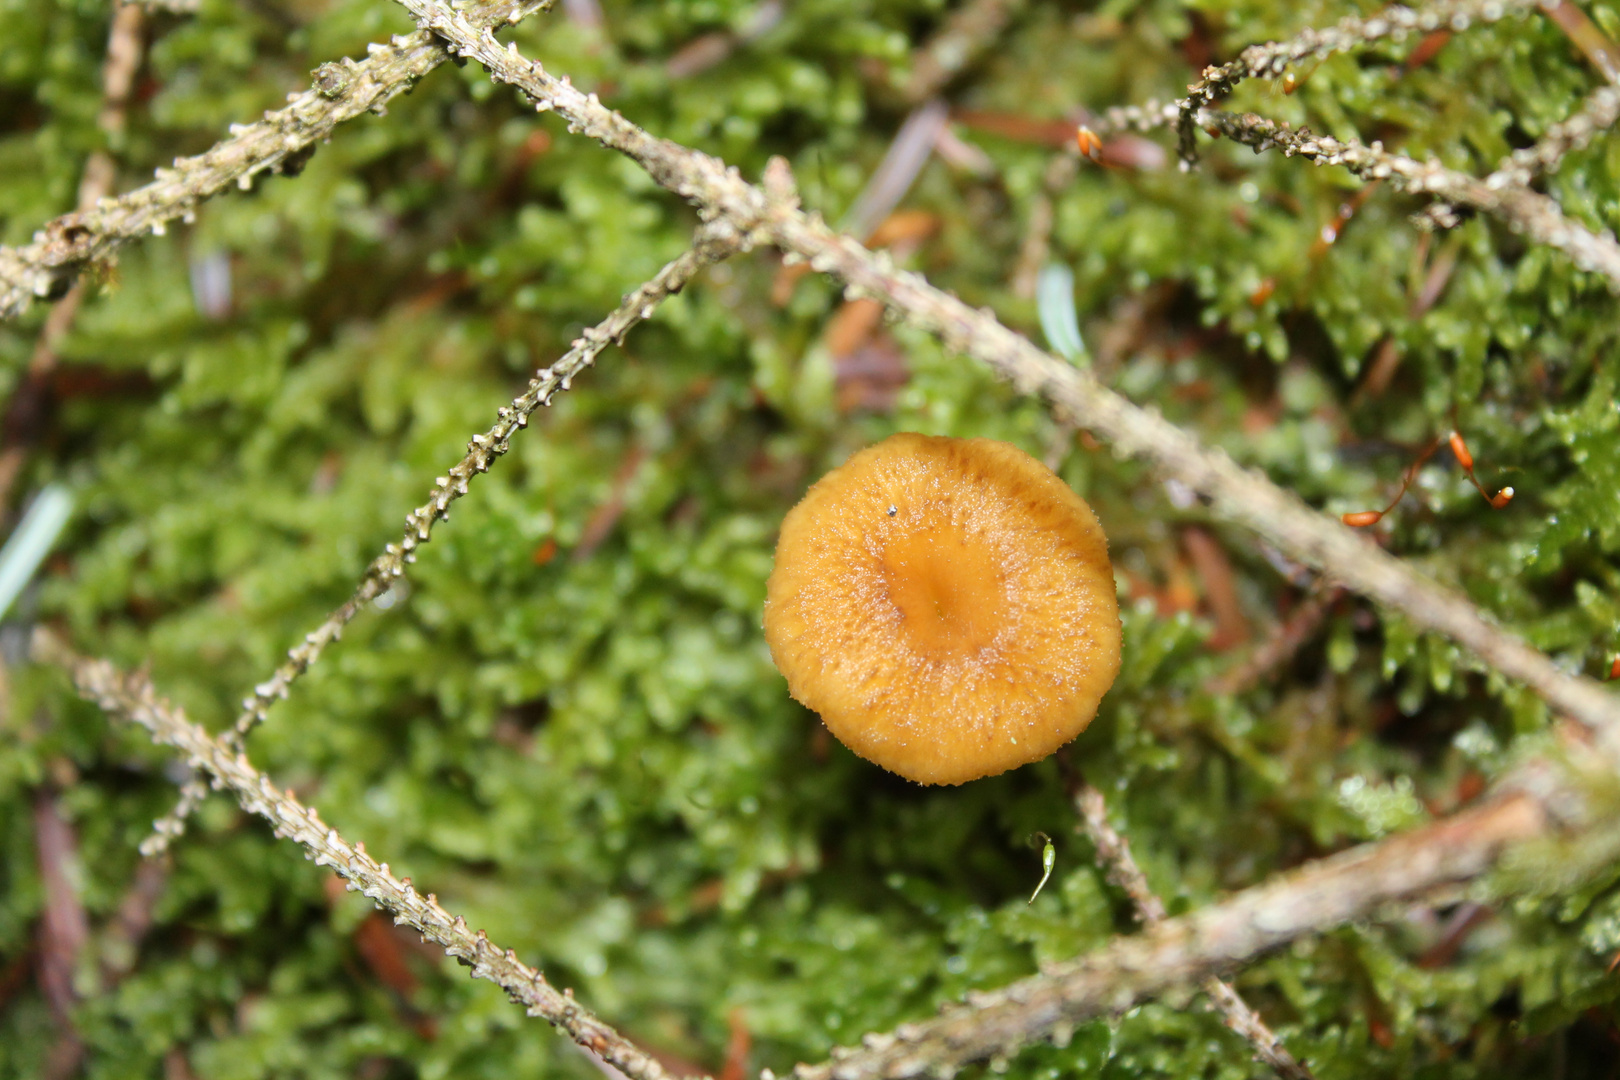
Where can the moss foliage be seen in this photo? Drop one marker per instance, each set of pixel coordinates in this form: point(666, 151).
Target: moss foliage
point(567, 723)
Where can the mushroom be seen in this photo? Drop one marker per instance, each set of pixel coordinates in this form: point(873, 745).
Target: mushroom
point(946, 605)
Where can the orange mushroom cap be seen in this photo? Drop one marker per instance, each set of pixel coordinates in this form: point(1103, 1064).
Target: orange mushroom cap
point(946, 605)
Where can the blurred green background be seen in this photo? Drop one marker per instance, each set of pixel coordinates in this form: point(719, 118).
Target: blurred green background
point(567, 724)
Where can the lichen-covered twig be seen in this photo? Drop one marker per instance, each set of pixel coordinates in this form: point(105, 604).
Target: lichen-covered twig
point(23, 415)
point(1281, 644)
point(1034, 251)
point(1183, 950)
point(341, 91)
point(131, 697)
point(1114, 852)
point(1235, 493)
point(967, 33)
point(714, 243)
point(1273, 58)
point(909, 151)
point(1530, 213)
point(1597, 115)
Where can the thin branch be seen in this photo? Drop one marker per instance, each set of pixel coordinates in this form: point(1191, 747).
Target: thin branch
point(1183, 950)
point(1037, 245)
point(1114, 852)
point(1235, 493)
point(1273, 58)
point(967, 33)
point(910, 150)
point(1597, 115)
point(282, 140)
point(131, 697)
point(1586, 36)
point(714, 243)
point(26, 412)
point(1536, 216)
point(1281, 644)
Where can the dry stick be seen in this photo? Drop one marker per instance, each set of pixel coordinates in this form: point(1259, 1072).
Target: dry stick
point(967, 33)
point(1114, 851)
point(1281, 644)
point(1183, 950)
point(1597, 115)
point(341, 91)
point(714, 243)
point(131, 697)
point(24, 413)
point(1236, 493)
point(1258, 61)
point(1324, 894)
point(1536, 216)
point(1037, 245)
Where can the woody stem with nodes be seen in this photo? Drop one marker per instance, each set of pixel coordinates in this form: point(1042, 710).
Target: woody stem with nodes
point(1394, 22)
point(773, 214)
point(1120, 866)
point(714, 243)
point(131, 697)
point(280, 141)
point(1541, 796)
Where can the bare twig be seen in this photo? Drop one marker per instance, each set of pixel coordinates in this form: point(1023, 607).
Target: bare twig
point(1182, 950)
point(912, 146)
point(131, 697)
point(1077, 397)
point(25, 412)
point(967, 33)
point(1596, 116)
point(1587, 36)
point(1114, 852)
point(1281, 644)
point(1033, 252)
point(64, 929)
point(1273, 58)
point(1536, 216)
point(282, 140)
point(714, 243)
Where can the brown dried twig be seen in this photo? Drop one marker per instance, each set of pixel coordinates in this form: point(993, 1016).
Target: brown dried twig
point(1597, 115)
point(714, 243)
point(1281, 644)
point(1538, 217)
point(341, 91)
point(1114, 852)
point(966, 34)
point(132, 698)
point(1183, 950)
point(1273, 58)
point(24, 414)
point(64, 929)
point(1235, 493)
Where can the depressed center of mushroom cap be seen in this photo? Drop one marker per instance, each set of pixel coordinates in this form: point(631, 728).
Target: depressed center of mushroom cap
point(947, 607)
point(944, 585)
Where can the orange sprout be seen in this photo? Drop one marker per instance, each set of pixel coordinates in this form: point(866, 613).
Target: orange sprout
point(1090, 145)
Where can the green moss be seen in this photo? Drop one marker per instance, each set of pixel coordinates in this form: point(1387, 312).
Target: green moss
point(567, 724)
